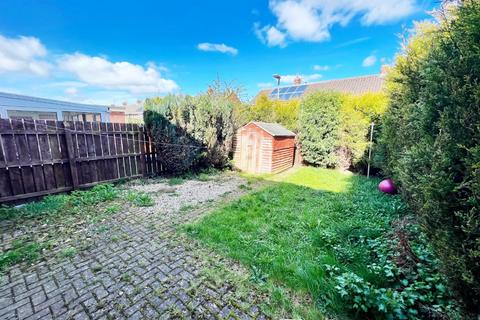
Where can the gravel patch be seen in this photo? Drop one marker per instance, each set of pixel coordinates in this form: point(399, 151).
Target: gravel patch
point(190, 193)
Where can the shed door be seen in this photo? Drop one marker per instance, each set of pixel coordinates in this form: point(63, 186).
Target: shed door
point(253, 145)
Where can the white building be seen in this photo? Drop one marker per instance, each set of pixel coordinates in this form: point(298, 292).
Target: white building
point(16, 106)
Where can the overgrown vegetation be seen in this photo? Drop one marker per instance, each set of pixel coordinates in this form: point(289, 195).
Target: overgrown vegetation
point(431, 139)
point(333, 128)
point(275, 111)
point(329, 234)
point(319, 128)
point(23, 250)
point(65, 212)
point(140, 199)
point(76, 202)
point(191, 132)
point(356, 115)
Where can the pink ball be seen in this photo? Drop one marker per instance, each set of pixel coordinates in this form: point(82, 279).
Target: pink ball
point(387, 186)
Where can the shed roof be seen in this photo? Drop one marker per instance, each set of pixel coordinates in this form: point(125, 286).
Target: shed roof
point(274, 129)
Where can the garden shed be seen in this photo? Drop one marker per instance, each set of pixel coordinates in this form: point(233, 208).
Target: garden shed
point(261, 147)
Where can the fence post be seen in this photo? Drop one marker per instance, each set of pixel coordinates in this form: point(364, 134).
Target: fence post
point(71, 155)
point(144, 145)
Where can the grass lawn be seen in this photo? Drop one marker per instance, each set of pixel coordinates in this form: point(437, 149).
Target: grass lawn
point(300, 227)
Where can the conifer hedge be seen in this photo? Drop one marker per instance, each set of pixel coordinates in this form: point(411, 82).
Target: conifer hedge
point(431, 140)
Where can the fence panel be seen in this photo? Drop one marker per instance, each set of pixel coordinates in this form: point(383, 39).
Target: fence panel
point(45, 157)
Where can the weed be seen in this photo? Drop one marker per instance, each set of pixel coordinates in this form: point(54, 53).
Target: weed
point(126, 277)
point(244, 187)
point(96, 268)
point(69, 252)
point(186, 207)
point(175, 181)
point(140, 199)
point(112, 209)
point(21, 251)
point(204, 177)
point(102, 229)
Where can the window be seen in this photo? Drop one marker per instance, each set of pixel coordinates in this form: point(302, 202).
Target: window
point(31, 115)
point(81, 116)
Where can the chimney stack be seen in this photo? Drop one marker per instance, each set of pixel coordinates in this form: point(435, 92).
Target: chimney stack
point(384, 70)
point(297, 80)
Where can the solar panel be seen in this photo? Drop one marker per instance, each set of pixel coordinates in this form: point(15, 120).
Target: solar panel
point(301, 88)
point(287, 93)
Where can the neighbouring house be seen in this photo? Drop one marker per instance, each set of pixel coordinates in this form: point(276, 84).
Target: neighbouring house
point(127, 112)
point(16, 106)
point(261, 147)
point(354, 85)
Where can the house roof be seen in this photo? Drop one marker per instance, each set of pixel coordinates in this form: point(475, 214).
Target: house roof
point(21, 101)
point(274, 129)
point(129, 108)
point(355, 85)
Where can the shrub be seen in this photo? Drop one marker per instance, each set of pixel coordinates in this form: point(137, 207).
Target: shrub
point(276, 111)
point(319, 122)
point(352, 137)
point(431, 136)
point(190, 132)
point(356, 115)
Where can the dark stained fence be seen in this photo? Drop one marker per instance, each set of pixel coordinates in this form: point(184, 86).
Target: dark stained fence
point(44, 157)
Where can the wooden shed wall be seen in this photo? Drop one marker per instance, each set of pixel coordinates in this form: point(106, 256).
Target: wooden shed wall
point(271, 154)
point(283, 153)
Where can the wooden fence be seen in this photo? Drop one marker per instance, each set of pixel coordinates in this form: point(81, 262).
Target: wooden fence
point(44, 157)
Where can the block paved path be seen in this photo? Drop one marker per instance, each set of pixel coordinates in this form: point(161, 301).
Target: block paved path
point(140, 268)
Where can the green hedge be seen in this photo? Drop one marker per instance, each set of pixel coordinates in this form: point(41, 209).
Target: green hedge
point(191, 132)
point(431, 140)
point(334, 128)
point(318, 133)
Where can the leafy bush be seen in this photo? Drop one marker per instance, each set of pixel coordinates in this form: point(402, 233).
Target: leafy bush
point(276, 111)
point(356, 115)
point(190, 132)
point(319, 122)
point(431, 136)
point(352, 137)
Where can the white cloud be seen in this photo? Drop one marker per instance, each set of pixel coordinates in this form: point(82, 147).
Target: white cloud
point(321, 68)
point(98, 71)
point(218, 47)
point(23, 54)
point(311, 20)
point(369, 61)
point(271, 36)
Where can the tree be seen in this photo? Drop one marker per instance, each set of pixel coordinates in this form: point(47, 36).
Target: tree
point(319, 128)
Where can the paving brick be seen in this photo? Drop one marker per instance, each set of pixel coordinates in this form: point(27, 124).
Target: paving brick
point(24, 311)
point(92, 284)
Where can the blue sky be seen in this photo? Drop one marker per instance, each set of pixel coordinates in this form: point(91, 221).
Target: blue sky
point(111, 51)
